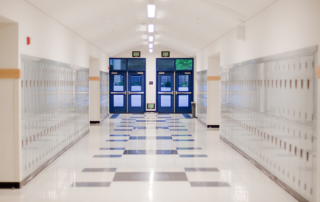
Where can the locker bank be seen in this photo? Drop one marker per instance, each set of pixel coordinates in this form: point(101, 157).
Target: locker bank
point(159, 100)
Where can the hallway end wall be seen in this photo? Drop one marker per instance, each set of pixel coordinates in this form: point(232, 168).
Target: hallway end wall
point(151, 65)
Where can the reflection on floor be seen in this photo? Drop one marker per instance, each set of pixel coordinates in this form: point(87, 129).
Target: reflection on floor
point(150, 158)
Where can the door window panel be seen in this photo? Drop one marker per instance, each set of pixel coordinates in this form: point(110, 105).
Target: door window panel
point(165, 84)
point(184, 64)
point(183, 100)
point(165, 101)
point(136, 83)
point(118, 100)
point(183, 83)
point(118, 83)
point(118, 64)
point(136, 101)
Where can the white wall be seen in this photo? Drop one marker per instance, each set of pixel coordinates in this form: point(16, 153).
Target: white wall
point(151, 65)
point(286, 25)
point(49, 40)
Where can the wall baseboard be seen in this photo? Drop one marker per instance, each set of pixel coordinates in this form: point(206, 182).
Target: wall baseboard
point(48, 162)
point(282, 184)
point(94, 122)
point(10, 185)
point(213, 126)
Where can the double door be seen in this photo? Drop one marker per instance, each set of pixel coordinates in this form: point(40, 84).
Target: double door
point(127, 92)
point(174, 91)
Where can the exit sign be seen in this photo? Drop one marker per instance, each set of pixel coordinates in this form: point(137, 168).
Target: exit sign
point(136, 54)
point(165, 54)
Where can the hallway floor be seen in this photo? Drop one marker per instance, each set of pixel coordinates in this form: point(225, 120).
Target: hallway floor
point(164, 158)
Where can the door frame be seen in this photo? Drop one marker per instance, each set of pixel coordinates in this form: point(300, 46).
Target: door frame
point(127, 82)
point(174, 70)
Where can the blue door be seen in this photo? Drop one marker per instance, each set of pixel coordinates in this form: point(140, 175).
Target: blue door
point(136, 92)
point(118, 92)
point(165, 92)
point(183, 91)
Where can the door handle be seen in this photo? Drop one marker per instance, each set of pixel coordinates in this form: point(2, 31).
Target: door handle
point(138, 93)
point(165, 93)
point(119, 93)
point(183, 93)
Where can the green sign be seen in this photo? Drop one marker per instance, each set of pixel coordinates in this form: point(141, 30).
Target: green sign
point(135, 53)
point(184, 64)
point(165, 53)
point(150, 106)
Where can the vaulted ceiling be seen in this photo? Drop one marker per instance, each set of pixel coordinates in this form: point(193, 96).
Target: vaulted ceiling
point(119, 25)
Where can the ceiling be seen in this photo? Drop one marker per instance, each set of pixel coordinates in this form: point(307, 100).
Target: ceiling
point(186, 26)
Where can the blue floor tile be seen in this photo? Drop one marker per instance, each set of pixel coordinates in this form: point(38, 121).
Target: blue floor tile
point(113, 148)
point(116, 140)
point(181, 135)
point(187, 116)
point(178, 129)
point(107, 156)
point(114, 116)
point(162, 128)
point(193, 155)
point(122, 129)
point(137, 137)
point(143, 152)
point(119, 135)
point(150, 138)
point(189, 148)
point(139, 128)
point(175, 126)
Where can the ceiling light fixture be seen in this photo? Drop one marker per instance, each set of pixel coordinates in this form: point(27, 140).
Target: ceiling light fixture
point(151, 28)
point(150, 38)
point(151, 11)
point(150, 50)
point(150, 45)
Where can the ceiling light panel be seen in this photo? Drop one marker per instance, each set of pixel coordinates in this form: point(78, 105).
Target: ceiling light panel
point(150, 45)
point(151, 11)
point(150, 50)
point(151, 38)
point(151, 28)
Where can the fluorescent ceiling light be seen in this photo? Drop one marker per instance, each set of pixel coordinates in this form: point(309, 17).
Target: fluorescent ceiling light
point(150, 50)
point(151, 11)
point(150, 38)
point(151, 28)
point(150, 45)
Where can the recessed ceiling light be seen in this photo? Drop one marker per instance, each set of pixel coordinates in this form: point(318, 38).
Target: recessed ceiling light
point(151, 28)
point(150, 45)
point(151, 11)
point(150, 38)
point(150, 50)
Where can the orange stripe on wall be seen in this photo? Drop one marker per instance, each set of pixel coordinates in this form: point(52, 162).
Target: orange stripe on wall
point(94, 78)
point(213, 78)
point(318, 72)
point(10, 73)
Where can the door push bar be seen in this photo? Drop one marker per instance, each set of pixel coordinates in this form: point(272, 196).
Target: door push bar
point(130, 93)
point(166, 93)
point(119, 93)
point(183, 93)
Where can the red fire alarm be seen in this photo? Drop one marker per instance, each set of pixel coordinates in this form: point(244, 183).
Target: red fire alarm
point(28, 40)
